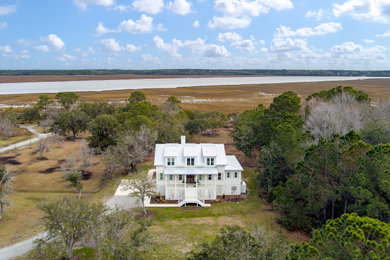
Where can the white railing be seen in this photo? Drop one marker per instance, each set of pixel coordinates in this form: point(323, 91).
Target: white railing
point(181, 199)
point(200, 198)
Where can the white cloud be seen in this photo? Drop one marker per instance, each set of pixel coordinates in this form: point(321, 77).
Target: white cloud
point(7, 9)
point(238, 13)
point(3, 25)
point(347, 47)
point(321, 29)
point(5, 49)
point(229, 22)
point(196, 24)
point(229, 36)
point(131, 48)
point(317, 15)
point(149, 6)
point(52, 43)
point(121, 8)
point(83, 4)
point(42, 48)
point(364, 10)
point(100, 29)
point(111, 45)
point(250, 8)
point(215, 51)
point(170, 49)
point(160, 27)
point(244, 45)
point(181, 7)
point(197, 47)
point(385, 34)
point(369, 41)
point(287, 45)
point(143, 25)
point(66, 57)
point(150, 58)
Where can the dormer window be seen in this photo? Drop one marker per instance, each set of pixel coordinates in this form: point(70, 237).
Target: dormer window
point(190, 161)
point(170, 161)
point(210, 161)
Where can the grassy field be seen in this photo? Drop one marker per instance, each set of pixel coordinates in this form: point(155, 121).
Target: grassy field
point(40, 179)
point(19, 134)
point(229, 99)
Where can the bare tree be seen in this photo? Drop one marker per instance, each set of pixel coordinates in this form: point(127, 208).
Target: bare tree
point(340, 115)
point(141, 187)
point(85, 156)
point(6, 127)
point(69, 165)
point(131, 149)
point(6, 180)
point(43, 147)
point(58, 139)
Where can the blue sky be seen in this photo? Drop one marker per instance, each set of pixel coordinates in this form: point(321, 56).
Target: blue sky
point(214, 34)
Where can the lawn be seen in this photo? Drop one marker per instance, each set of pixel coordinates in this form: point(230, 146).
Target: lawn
point(42, 179)
point(175, 231)
point(19, 134)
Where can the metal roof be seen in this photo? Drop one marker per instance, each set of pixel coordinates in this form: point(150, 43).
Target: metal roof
point(233, 164)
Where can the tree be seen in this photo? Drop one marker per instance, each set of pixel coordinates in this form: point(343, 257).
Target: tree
point(376, 132)
point(104, 131)
point(43, 147)
point(233, 242)
point(43, 102)
point(74, 177)
point(8, 120)
point(196, 126)
point(341, 114)
point(66, 99)
point(69, 219)
point(30, 114)
point(131, 149)
point(6, 180)
point(96, 108)
point(119, 235)
point(141, 187)
point(74, 121)
point(347, 237)
point(85, 156)
point(137, 97)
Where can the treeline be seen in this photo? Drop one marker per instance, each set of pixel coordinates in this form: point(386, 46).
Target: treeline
point(124, 133)
point(204, 72)
point(321, 158)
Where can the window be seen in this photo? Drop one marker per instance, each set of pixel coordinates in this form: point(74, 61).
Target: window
point(190, 161)
point(180, 177)
point(228, 175)
point(210, 161)
point(235, 175)
point(170, 177)
point(219, 176)
point(170, 161)
point(210, 177)
point(161, 176)
point(200, 177)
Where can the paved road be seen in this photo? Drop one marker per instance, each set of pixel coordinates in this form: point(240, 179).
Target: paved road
point(27, 142)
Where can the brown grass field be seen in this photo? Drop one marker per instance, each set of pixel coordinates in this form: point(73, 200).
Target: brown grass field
point(229, 99)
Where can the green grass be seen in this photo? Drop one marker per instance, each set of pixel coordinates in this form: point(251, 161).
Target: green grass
point(176, 231)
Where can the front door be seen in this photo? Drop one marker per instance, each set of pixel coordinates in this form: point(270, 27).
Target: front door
point(190, 178)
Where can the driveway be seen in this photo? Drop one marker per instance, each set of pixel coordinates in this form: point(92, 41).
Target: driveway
point(22, 144)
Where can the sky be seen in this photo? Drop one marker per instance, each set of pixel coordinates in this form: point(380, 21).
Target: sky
point(210, 34)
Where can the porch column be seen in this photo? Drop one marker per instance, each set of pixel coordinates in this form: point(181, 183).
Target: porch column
point(185, 184)
point(196, 184)
point(166, 186)
point(215, 185)
point(176, 197)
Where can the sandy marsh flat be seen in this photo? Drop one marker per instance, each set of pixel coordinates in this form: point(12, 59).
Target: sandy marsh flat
point(230, 99)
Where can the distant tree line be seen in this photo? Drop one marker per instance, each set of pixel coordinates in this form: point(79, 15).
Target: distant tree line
point(189, 72)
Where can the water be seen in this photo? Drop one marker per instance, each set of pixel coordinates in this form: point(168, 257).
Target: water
point(101, 85)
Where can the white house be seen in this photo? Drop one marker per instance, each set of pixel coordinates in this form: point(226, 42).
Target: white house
point(193, 173)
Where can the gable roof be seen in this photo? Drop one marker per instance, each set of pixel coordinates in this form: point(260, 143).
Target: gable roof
point(182, 151)
point(233, 164)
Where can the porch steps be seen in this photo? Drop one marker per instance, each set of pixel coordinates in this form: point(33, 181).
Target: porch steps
point(191, 197)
